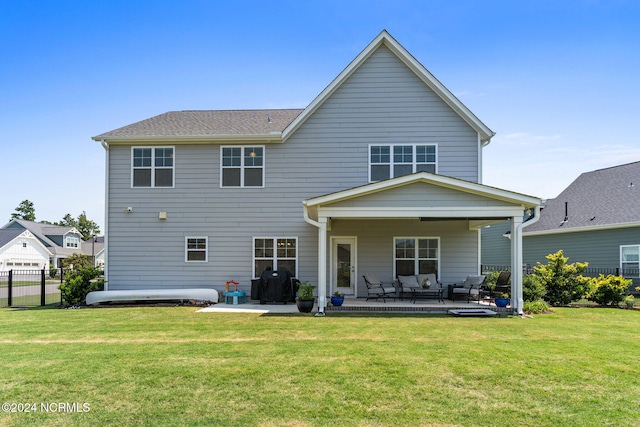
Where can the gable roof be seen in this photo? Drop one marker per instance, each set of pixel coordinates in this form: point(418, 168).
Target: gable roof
point(8, 235)
point(206, 125)
point(278, 124)
point(384, 38)
point(41, 230)
point(604, 198)
point(511, 204)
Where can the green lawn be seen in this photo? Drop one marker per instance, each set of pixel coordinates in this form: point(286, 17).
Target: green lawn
point(172, 366)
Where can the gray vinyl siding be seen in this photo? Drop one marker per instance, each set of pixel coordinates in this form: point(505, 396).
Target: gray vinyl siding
point(382, 102)
point(496, 249)
point(601, 249)
point(145, 252)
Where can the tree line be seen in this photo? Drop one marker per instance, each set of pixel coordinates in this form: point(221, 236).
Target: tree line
point(86, 227)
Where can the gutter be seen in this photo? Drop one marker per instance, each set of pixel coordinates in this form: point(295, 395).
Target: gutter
point(322, 234)
point(519, 227)
point(105, 145)
point(273, 137)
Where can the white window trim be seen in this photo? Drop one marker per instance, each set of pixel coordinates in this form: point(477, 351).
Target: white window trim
point(153, 166)
point(621, 262)
point(417, 260)
point(186, 249)
point(242, 167)
point(391, 163)
point(275, 253)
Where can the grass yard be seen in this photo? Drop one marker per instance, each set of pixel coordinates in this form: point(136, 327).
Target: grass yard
point(159, 366)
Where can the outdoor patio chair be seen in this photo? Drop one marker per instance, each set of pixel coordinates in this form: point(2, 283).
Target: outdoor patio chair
point(408, 284)
point(469, 288)
point(376, 289)
point(502, 285)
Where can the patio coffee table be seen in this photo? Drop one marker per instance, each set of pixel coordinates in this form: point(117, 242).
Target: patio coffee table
point(426, 293)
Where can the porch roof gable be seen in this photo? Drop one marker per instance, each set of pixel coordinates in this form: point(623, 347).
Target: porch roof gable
point(463, 199)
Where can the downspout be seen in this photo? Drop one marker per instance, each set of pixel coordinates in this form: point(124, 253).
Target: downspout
point(322, 259)
point(519, 228)
point(105, 145)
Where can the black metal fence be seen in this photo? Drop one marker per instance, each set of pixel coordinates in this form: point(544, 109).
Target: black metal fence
point(29, 288)
point(629, 273)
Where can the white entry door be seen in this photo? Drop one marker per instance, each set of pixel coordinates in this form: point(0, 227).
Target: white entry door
point(343, 265)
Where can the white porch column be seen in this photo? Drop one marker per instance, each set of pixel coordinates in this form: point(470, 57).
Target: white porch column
point(322, 264)
point(517, 300)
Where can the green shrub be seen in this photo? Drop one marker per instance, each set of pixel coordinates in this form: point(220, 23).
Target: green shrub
point(491, 277)
point(536, 307)
point(532, 288)
point(78, 261)
point(609, 290)
point(563, 282)
point(78, 283)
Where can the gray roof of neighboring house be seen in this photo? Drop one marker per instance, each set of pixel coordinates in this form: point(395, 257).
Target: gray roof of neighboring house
point(41, 230)
point(204, 123)
point(93, 246)
point(602, 197)
point(7, 235)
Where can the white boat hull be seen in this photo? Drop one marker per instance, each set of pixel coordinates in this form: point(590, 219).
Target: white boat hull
point(199, 294)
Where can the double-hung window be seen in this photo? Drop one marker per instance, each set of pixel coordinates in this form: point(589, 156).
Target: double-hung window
point(196, 249)
point(390, 161)
point(630, 260)
point(72, 242)
point(242, 167)
point(416, 255)
point(152, 166)
point(275, 253)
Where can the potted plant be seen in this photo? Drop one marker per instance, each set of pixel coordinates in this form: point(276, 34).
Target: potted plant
point(337, 299)
point(501, 299)
point(629, 301)
point(305, 299)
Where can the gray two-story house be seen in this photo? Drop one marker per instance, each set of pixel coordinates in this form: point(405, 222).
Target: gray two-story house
point(381, 174)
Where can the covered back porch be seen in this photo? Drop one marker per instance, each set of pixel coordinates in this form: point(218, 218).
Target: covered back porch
point(414, 224)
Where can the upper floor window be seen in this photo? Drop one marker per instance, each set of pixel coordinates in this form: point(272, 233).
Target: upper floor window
point(390, 161)
point(152, 166)
point(242, 167)
point(72, 242)
point(630, 260)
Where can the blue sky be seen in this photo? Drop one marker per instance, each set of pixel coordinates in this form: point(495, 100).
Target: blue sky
point(556, 80)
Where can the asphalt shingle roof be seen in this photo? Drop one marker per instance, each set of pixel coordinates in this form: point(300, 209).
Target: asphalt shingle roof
point(207, 123)
point(598, 198)
point(7, 235)
point(42, 231)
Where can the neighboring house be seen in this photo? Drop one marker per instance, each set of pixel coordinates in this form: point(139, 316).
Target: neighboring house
point(596, 219)
point(59, 241)
point(94, 248)
point(381, 173)
point(21, 250)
